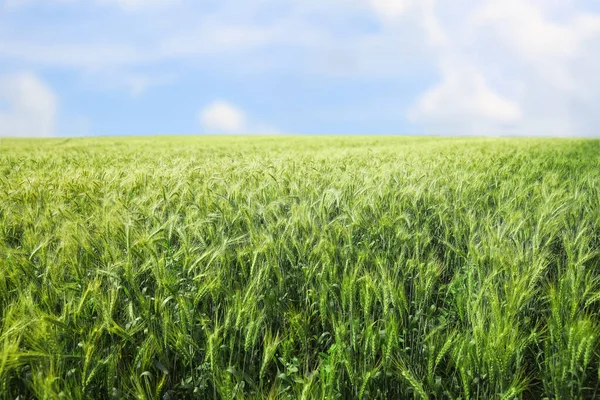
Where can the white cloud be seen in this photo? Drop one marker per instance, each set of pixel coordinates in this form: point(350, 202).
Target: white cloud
point(136, 83)
point(390, 9)
point(28, 106)
point(80, 56)
point(136, 5)
point(222, 117)
point(516, 68)
point(129, 5)
point(464, 103)
point(527, 32)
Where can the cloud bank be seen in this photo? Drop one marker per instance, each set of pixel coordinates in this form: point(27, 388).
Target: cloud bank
point(222, 117)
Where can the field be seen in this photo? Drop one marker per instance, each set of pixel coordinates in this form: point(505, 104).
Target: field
point(290, 267)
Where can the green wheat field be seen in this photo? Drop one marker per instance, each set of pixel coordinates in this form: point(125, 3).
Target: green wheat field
point(299, 268)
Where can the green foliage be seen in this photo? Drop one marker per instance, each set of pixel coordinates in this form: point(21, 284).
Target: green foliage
point(229, 268)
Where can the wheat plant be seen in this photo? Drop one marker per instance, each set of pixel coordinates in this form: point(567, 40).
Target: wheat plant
point(299, 268)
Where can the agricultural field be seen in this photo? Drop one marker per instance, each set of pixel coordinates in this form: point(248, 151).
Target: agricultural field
point(299, 268)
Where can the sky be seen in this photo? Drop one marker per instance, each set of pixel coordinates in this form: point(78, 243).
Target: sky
point(145, 67)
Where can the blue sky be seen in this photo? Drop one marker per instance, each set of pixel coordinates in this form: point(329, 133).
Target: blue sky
point(142, 67)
